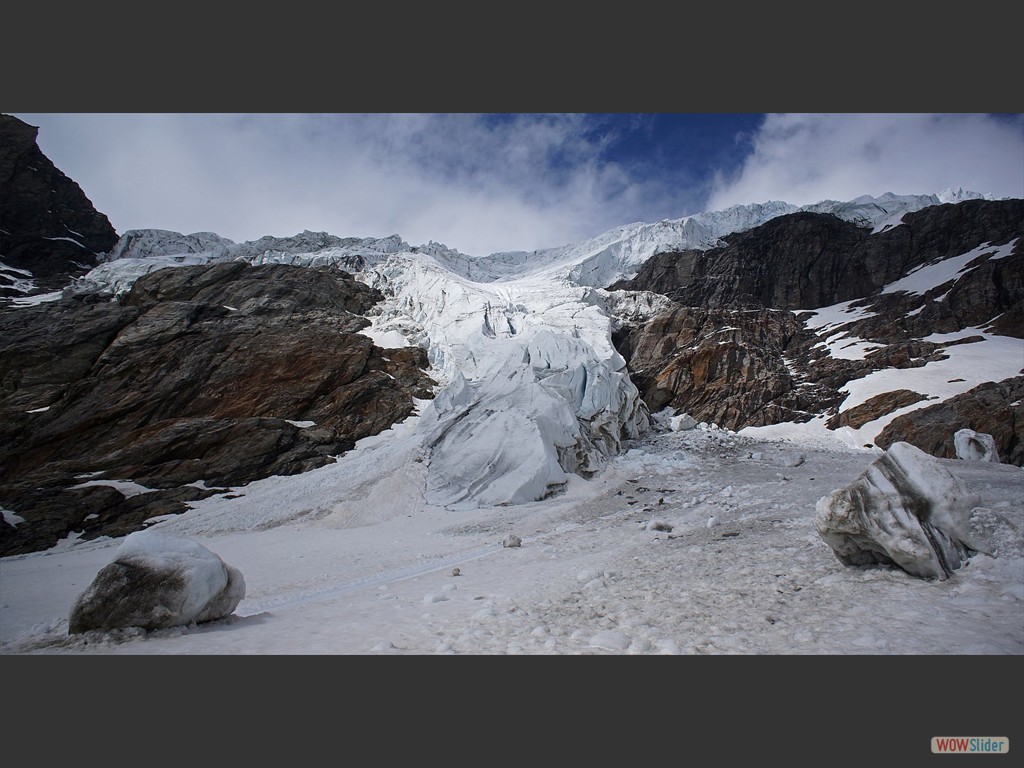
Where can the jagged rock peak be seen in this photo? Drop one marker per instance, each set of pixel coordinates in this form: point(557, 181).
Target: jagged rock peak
point(49, 229)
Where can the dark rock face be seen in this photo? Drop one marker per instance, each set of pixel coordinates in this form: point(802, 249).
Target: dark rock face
point(49, 229)
point(806, 260)
point(722, 357)
point(727, 367)
point(995, 408)
point(791, 262)
point(225, 373)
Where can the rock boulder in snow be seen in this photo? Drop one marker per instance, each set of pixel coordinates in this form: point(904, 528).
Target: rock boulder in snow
point(904, 510)
point(682, 422)
point(158, 580)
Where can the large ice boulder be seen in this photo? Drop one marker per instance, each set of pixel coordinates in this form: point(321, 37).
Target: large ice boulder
point(975, 446)
point(682, 422)
point(158, 580)
point(905, 509)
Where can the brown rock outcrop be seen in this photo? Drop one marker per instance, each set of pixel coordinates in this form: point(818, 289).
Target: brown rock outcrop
point(725, 367)
point(737, 368)
point(225, 373)
point(874, 408)
point(994, 408)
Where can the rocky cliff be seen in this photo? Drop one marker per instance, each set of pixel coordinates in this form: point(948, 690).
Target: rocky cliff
point(49, 230)
point(199, 378)
point(806, 260)
point(781, 322)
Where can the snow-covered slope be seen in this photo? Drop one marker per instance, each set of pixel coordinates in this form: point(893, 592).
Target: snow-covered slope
point(141, 251)
point(693, 542)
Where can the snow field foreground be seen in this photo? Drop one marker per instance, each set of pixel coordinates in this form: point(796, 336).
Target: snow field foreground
point(694, 542)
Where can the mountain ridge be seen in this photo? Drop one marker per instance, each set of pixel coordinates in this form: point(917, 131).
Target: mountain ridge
point(595, 262)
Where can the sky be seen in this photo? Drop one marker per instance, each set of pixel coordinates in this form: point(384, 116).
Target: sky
point(485, 183)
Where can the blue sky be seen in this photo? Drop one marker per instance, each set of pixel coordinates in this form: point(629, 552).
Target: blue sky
point(487, 183)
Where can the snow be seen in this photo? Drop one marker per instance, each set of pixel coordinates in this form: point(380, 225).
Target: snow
point(39, 298)
point(535, 388)
point(150, 243)
point(620, 252)
point(830, 323)
point(69, 239)
point(390, 339)
point(18, 279)
point(351, 559)
point(8, 268)
point(12, 518)
point(835, 316)
point(600, 261)
point(924, 278)
point(126, 488)
point(958, 195)
point(992, 358)
point(843, 346)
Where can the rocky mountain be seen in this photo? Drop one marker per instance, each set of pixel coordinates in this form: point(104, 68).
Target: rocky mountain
point(49, 230)
point(173, 367)
point(805, 260)
point(201, 377)
point(809, 316)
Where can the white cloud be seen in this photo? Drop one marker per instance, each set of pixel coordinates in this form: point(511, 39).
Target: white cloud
point(804, 159)
point(477, 184)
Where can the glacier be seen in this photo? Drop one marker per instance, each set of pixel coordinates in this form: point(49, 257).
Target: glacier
point(531, 390)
